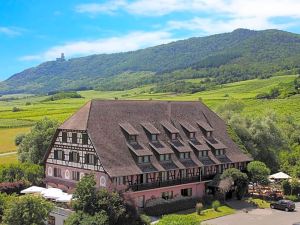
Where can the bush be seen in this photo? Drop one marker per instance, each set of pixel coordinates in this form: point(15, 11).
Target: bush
point(12, 187)
point(215, 205)
point(199, 208)
point(145, 219)
point(286, 186)
point(28, 103)
point(16, 109)
point(293, 198)
point(157, 207)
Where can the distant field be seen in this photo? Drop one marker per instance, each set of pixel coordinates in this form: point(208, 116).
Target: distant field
point(7, 138)
point(8, 159)
point(32, 109)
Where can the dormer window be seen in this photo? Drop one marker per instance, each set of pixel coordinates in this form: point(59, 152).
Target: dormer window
point(206, 128)
point(144, 159)
point(132, 138)
point(192, 135)
point(154, 137)
point(219, 152)
point(208, 134)
point(203, 154)
point(184, 155)
point(164, 157)
point(174, 136)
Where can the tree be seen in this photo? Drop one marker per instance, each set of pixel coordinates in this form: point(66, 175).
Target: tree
point(27, 210)
point(101, 205)
point(35, 144)
point(230, 107)
point(240, 180)
point(81, 218)
point(258, 172)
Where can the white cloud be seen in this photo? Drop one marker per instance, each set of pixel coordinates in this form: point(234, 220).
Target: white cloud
point(10, 31)
point(240, 8)
point(212, 26)
point(95, 8)
point(253, 14)
point(129, 42)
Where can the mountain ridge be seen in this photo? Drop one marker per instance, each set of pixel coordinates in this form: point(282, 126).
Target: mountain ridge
point(238, 55)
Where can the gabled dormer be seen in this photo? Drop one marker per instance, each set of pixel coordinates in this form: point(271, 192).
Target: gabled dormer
point(160, 149)
point(141, 153)
point(206, 128)
point(182, 150)
point(189, 130)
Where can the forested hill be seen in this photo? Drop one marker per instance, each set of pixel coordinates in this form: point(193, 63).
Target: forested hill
point(239, 55)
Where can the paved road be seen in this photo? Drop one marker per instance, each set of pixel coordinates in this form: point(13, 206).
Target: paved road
point(8, 153)
point(259, 217)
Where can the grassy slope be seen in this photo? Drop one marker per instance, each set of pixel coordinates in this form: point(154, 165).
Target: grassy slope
point(62, 109)
point(7, 137)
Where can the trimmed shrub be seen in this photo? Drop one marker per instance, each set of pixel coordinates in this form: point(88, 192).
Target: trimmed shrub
point(12, 187)
point(199, 208)
point(293, 198)
point(157, 207)
point(215, 205)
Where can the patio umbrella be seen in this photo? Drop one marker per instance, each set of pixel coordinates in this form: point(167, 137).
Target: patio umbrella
point(33, 189)
point(64, 198)
point(52, 193)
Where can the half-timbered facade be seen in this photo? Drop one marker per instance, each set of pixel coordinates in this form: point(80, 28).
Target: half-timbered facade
point(153, 149)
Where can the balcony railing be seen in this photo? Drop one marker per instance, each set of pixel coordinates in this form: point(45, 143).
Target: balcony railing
point(167, 183)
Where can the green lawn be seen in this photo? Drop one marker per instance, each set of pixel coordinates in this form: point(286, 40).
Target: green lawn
point(7, 138)
point(8, 159)
point(193, 218)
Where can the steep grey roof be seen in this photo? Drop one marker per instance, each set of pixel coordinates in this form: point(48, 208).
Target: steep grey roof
point(106, 116)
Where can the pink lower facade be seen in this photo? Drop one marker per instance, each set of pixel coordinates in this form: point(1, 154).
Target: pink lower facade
point(195, 190)
point(64, 180)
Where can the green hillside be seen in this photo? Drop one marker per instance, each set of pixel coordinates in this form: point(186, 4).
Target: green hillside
point(223, 58)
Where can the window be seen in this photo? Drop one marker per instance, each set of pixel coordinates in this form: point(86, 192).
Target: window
point(164, 157)
point(75, 175)
point(74, 138)
point(132, 138)
point(208, 133)
point(187, 192)
point(167, 195)
point(64, 136)
point(192, 135)
point(57, 172)
point(174, 136)
point(74, 157)
point(164, 176)
point(183, 173)
point(144, 159)
point(203, 154)
point(153, 137)
point(90, 159)
point(59, 155)
point(85, 139)
point(181, 155)
point(184, 155)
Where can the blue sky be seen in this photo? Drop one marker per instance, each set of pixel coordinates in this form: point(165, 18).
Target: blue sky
point(33, 31)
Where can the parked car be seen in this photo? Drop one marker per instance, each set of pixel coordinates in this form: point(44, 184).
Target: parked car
point(286, 205)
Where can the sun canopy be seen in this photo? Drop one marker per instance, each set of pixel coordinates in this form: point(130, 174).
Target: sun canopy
point(52, 193)
point(280, 175)
point(32, 190)
point(64, 198)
